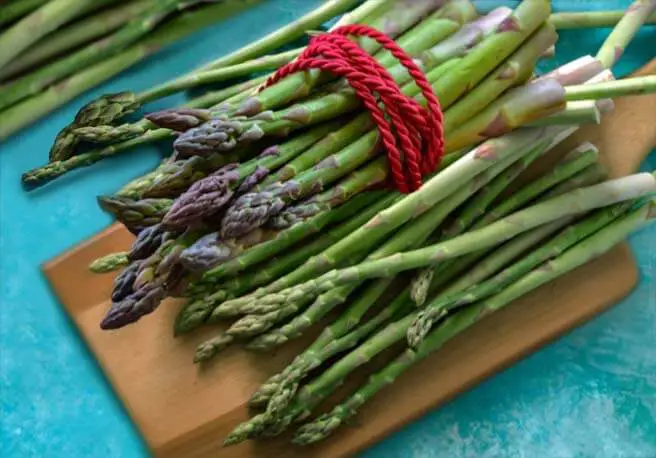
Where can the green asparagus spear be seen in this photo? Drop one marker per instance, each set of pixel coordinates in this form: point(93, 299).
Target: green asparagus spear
point(614, 46)
point(37, 24)
point(590, 19)
point(77, 34)
point(17, 9)
point(109, 263)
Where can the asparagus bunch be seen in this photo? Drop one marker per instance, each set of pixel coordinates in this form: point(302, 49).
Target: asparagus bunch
point(276, 242)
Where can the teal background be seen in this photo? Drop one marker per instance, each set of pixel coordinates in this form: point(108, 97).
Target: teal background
point(590, 394)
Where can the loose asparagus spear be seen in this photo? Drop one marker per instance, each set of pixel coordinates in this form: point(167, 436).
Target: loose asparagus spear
point(73, 36)
point(37, 24)
point(614, 46)
point(17, 9)
point(31, 109)
point(572, 203)
point(580, 254)
point(590, 19)
point(628, 86)
point(105, 47)
point(288, 33)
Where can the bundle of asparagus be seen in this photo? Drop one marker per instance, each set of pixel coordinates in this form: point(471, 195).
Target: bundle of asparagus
point(274, 210)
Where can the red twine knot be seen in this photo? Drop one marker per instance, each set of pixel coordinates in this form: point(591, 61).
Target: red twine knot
point(412, 135)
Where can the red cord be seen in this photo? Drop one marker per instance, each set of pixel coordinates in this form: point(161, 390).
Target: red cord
point(412, 134)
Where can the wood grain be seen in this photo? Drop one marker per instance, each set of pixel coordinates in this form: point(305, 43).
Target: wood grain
point(183, 412)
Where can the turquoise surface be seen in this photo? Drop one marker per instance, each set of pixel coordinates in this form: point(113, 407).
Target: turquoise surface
point(590, 394)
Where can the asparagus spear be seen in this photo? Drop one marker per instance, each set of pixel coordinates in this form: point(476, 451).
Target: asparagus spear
point(135, 214)
point(31, 109)
point(578, 255)
point(109, 263)
point(613, 48)
point(628, 86)
point(37, 24)
point(289, 32)
point(18, 9)
point(572, 203)
point(590, 19)
point(73, 36)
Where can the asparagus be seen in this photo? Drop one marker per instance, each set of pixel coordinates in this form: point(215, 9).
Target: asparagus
point(510, 73)
point(577, 113)
point(493, 50)
point(37, 24)
point(287, 33)
point(590, 19)
point(73, 36)
point(95, 52)
point(473, 210)
point(109, 263)
point(31, 109)
point(442, 23)
point(18, 9)
point(199, 310)
point(580, 254)
point(297, 233)
point(411, 206)
point(394, 21)
point(613, 48)
point(628, 86)
point(136, 214)
point(572, 203)
point(410, 236)
point(569, 237)
point(459, 273)
point(577, 160)
point(347, 159)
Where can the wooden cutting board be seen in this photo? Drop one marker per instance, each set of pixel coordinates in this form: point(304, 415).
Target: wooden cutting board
point(185, 412)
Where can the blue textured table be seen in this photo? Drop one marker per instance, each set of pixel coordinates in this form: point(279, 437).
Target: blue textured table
point(591, 394)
